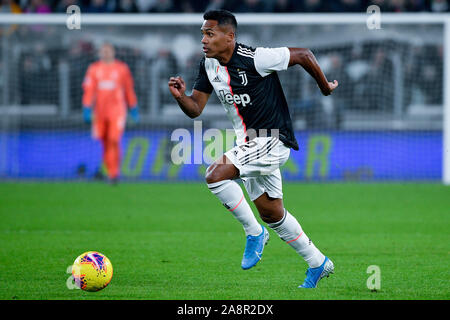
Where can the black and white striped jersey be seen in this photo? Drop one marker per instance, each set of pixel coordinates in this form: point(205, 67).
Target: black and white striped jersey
point(250, 90)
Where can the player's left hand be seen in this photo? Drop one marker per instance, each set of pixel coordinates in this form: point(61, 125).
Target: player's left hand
point(134, 113)
point(87, 114)
point(331, 86)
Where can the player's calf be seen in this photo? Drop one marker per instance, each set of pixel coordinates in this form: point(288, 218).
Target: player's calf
point(290, 231)
point(230, 194)
point(271, 210)
point(232, 197)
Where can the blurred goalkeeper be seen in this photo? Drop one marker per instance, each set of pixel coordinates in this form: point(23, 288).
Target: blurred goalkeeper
point(246, 82)
point(108, 94)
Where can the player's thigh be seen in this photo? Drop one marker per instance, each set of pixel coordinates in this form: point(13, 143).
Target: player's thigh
point(115, 129)
point(99, 129)
point(266, 192)
point(270, 184)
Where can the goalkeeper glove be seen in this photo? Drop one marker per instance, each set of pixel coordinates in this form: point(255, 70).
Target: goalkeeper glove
point(134, 113)
point(87, 114)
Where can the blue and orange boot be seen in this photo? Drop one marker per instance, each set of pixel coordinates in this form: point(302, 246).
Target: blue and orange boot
point(254, 249)
point(313, 275)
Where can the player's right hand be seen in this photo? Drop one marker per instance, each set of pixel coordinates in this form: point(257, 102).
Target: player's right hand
point(177, 86)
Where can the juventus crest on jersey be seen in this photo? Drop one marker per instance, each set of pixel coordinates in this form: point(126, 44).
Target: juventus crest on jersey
point(250, 91)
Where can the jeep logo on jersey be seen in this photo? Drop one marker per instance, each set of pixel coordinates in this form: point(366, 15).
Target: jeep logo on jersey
point(229, 98)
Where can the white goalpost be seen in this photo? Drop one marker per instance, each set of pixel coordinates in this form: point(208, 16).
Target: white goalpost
point(391, 98)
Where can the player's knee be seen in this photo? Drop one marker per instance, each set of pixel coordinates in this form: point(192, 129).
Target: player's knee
point(115, 141)
point(212, 174)
point(221, 170)
point(271, 214)
point(267, 216)
point(110, 142)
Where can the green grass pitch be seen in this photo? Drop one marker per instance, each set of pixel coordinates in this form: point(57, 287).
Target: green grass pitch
point(176, 241)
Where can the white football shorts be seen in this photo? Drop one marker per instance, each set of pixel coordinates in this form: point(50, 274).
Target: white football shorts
point(259, 161)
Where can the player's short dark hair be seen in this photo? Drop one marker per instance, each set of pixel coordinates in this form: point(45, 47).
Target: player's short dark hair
point(223, 17)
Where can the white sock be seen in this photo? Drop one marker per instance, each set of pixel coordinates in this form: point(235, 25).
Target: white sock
point(232, 197)
point(290, 231)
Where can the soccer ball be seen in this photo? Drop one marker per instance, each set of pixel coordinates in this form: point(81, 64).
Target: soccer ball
point(92, 271)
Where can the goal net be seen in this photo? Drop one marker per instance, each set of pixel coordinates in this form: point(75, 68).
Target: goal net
point(383, 123)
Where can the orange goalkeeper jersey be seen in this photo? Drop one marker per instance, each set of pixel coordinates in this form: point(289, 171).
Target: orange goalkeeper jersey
point(109, 88)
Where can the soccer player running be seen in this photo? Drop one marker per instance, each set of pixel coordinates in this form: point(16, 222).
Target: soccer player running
point(246, 81)
point(108, 89)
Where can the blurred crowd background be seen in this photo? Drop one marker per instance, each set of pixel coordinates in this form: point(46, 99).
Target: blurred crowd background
point(383, 74)
point(238, 6)
point(390, 79)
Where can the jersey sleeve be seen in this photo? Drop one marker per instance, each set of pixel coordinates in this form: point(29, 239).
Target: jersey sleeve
point(129, 87)
point(89, 87)
point(202, 82)
point(268, 60)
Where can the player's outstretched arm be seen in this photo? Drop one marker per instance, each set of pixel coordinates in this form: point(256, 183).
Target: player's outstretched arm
point(192, 105)
point(305, 58)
